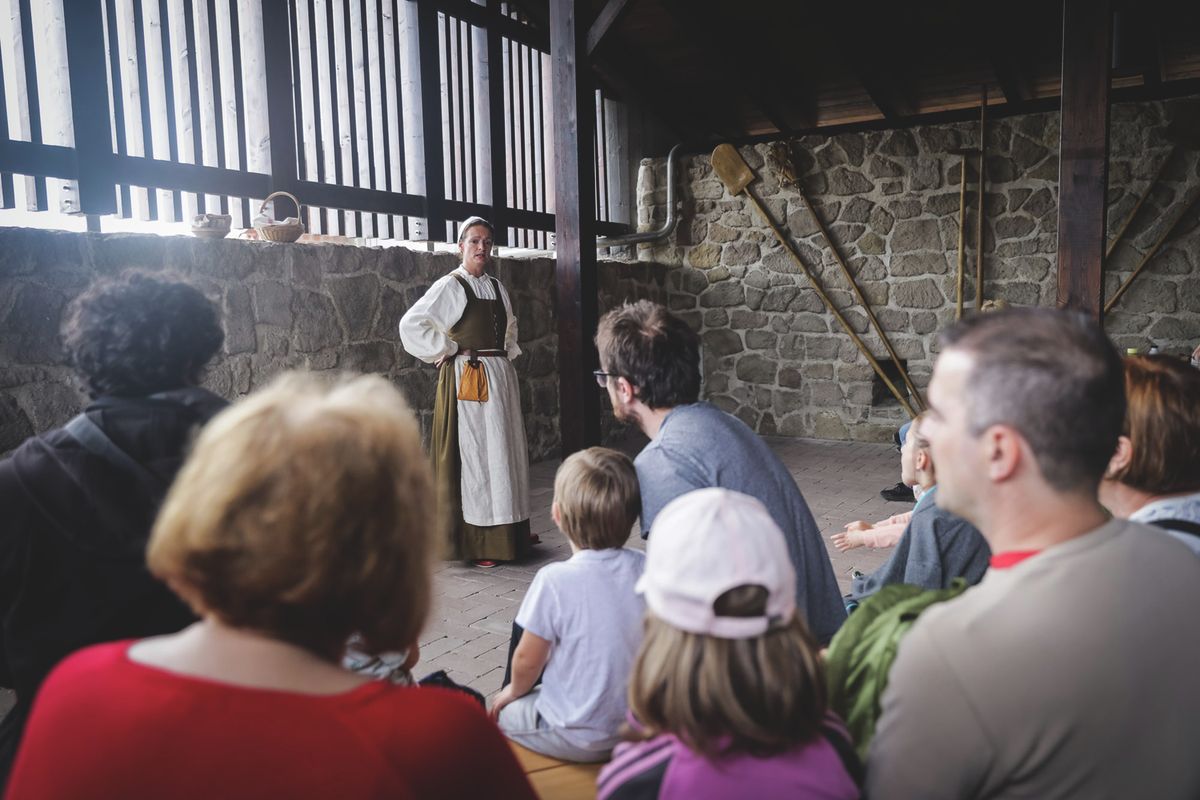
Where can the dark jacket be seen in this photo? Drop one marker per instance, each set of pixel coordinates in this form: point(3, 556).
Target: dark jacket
point(73, 540)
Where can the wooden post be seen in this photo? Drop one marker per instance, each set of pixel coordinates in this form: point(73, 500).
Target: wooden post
point(89, 108)
point(1083, 153)
point(281, 118)
point(431, 122)
point(574, 221)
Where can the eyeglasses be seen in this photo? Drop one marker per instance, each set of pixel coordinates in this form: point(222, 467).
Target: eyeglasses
point(602, 377)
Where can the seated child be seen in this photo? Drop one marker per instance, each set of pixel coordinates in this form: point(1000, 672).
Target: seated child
point(936, 546)
point(727, 696)
point(884, 533)
point(581, 617)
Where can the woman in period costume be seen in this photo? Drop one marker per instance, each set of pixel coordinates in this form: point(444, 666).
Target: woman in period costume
point(465, 326)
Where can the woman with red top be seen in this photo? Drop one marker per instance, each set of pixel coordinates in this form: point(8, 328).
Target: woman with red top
point(303, 516)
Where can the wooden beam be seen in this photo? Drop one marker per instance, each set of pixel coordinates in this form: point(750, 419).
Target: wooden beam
point(431, 122)
point(87, 68)
point(1083, 153)
point(609, 16)
point(281, 118)
point(574, 217)
point(734, 76)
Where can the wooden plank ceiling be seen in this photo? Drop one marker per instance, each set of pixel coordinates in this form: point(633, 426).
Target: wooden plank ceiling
point(746, 69)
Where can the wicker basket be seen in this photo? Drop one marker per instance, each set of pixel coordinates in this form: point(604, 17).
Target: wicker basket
point(279, 232)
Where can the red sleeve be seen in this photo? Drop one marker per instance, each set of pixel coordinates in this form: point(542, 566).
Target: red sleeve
point(453, 751)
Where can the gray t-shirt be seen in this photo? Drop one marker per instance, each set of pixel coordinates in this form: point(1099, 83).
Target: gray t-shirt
point(586, 607)
point(699, 446)
point(1069, 675)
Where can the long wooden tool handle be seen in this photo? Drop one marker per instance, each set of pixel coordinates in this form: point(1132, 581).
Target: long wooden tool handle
point(982, 185)
point(1112, 245)
point(1149, 255)
point(816, 285)
point(883, 337)
point(962, 231)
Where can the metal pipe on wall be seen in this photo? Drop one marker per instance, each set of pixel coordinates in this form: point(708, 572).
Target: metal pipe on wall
point(668, 226)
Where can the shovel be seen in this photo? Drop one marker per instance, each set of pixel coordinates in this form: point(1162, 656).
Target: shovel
point(737, 176)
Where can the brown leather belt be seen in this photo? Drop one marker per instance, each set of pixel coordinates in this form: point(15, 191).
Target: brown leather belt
point(474, 354)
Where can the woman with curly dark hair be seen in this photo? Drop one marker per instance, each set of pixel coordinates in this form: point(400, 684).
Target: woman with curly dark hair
point(79, 500)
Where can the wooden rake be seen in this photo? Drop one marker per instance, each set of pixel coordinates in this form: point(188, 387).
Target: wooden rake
point(737, 176)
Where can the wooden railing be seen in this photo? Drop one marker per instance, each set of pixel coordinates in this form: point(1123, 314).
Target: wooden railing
point(387, 118)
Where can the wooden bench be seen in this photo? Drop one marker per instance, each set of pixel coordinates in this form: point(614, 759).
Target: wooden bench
point(557, 780)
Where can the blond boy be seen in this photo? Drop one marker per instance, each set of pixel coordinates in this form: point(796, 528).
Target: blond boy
point(581, 619)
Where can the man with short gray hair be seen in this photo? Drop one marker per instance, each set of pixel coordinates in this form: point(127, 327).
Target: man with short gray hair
point(1069, 671)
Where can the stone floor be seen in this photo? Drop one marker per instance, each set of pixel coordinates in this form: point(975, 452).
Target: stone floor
point(473, 611)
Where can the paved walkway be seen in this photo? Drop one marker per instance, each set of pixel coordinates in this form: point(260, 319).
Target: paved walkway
point(473, 611)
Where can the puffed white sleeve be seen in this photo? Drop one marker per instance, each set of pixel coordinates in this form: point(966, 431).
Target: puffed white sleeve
point(425, 327)
point(510, 334)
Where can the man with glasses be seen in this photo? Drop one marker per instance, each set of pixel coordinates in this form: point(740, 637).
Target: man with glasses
point(650, 365)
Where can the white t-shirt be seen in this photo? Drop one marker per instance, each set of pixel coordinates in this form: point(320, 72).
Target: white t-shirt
point(586, 607)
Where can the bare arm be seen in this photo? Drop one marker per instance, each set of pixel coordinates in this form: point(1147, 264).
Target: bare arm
point(529, 659)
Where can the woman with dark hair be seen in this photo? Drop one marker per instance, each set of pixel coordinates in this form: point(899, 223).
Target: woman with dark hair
point(1154, 476)
point(79, 500)
point(465, 326)
point(301, 518)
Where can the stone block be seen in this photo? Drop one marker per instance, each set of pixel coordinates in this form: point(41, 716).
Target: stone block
point(704, 256)
point(905, 209)
point(915, 234)
point(899, 143)
point(1017, 198)
point(1013, 227)
point(893, 319)
point(735, 219)
point(689, 281)
point(1027, 153)
point(743, 319)
point(923, 293)
point(821, 347)
point(721, 342)
point(828, 425)
point(790, 378)
point(912, 264)
point(740, 253)
point(857, 210)
point(678, 302)
point(807, 300)
point(892, 187)
point(716, 318)
point(870, 244)
point(943, 204)
point(1151, 296)
point(845, 234)
point(718, 274)
point(937, 140)
point(826, 394)
point(753, 368)
point(317, 325)
point(843, 182)
point(879, 167)
point(238, 319)
point(31, 329)
point(377, 357)
point(761, 340)
point(273, 304)
point(926, 174)
point(1045, 171)
point(1002, 169)
point(1173, 328)
point(780, 298)
point(720, 233)
point(754, 298)
point(357, 300)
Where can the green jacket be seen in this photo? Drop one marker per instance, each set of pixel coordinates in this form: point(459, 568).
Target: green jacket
point(861, 654)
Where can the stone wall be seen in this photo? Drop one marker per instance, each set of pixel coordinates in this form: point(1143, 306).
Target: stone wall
point(777, 359)
point(320, 307)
